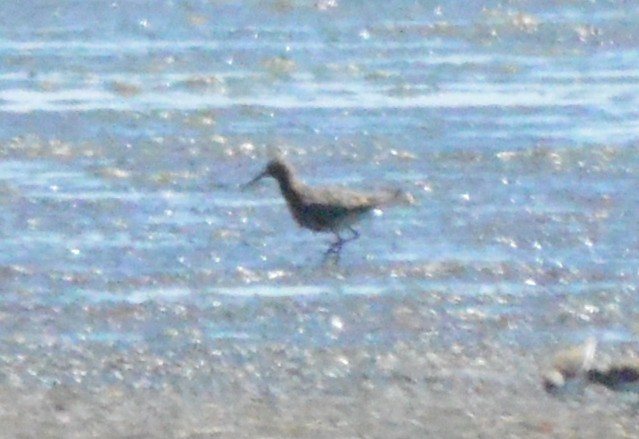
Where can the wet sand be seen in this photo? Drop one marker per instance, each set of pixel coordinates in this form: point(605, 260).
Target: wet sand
point(420, 378)
point(501, 397)
point(142, 295)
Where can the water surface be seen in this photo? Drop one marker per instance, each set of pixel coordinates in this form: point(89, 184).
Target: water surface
point(130, 259)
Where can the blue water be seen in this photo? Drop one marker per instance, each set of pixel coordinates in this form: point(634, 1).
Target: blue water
point(127, 127)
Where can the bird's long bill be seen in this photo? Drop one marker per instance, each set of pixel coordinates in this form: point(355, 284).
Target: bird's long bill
point(255, 180)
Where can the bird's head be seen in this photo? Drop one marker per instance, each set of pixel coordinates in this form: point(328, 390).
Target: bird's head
point(276, 168)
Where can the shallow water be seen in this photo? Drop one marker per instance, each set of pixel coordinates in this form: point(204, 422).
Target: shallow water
point(132, 263)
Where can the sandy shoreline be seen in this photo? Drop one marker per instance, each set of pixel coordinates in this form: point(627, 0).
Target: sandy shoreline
point(424, 383)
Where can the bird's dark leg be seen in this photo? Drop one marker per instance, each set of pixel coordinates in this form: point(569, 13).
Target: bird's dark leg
point(336, 247)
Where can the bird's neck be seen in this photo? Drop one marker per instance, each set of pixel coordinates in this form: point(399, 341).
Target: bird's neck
point(291, 187)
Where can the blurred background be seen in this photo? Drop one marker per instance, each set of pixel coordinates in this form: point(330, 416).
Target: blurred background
point(144, 295)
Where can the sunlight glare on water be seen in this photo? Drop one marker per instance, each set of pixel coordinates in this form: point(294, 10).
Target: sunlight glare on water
point(138, 276)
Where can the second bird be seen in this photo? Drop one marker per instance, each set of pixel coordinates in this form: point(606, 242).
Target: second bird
point(324, 209)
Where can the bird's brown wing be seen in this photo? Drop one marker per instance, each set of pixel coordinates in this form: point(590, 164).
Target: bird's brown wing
point(334, 208)
point(348, 199)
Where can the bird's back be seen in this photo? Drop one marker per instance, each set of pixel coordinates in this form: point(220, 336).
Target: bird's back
point(335, 208)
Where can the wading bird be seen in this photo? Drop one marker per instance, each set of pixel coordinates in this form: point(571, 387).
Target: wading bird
point(323, 209)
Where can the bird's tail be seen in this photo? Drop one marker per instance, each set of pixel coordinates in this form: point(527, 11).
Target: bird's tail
point(397, 197)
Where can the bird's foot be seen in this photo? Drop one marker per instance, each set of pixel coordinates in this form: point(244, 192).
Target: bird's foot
point(333, 251)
